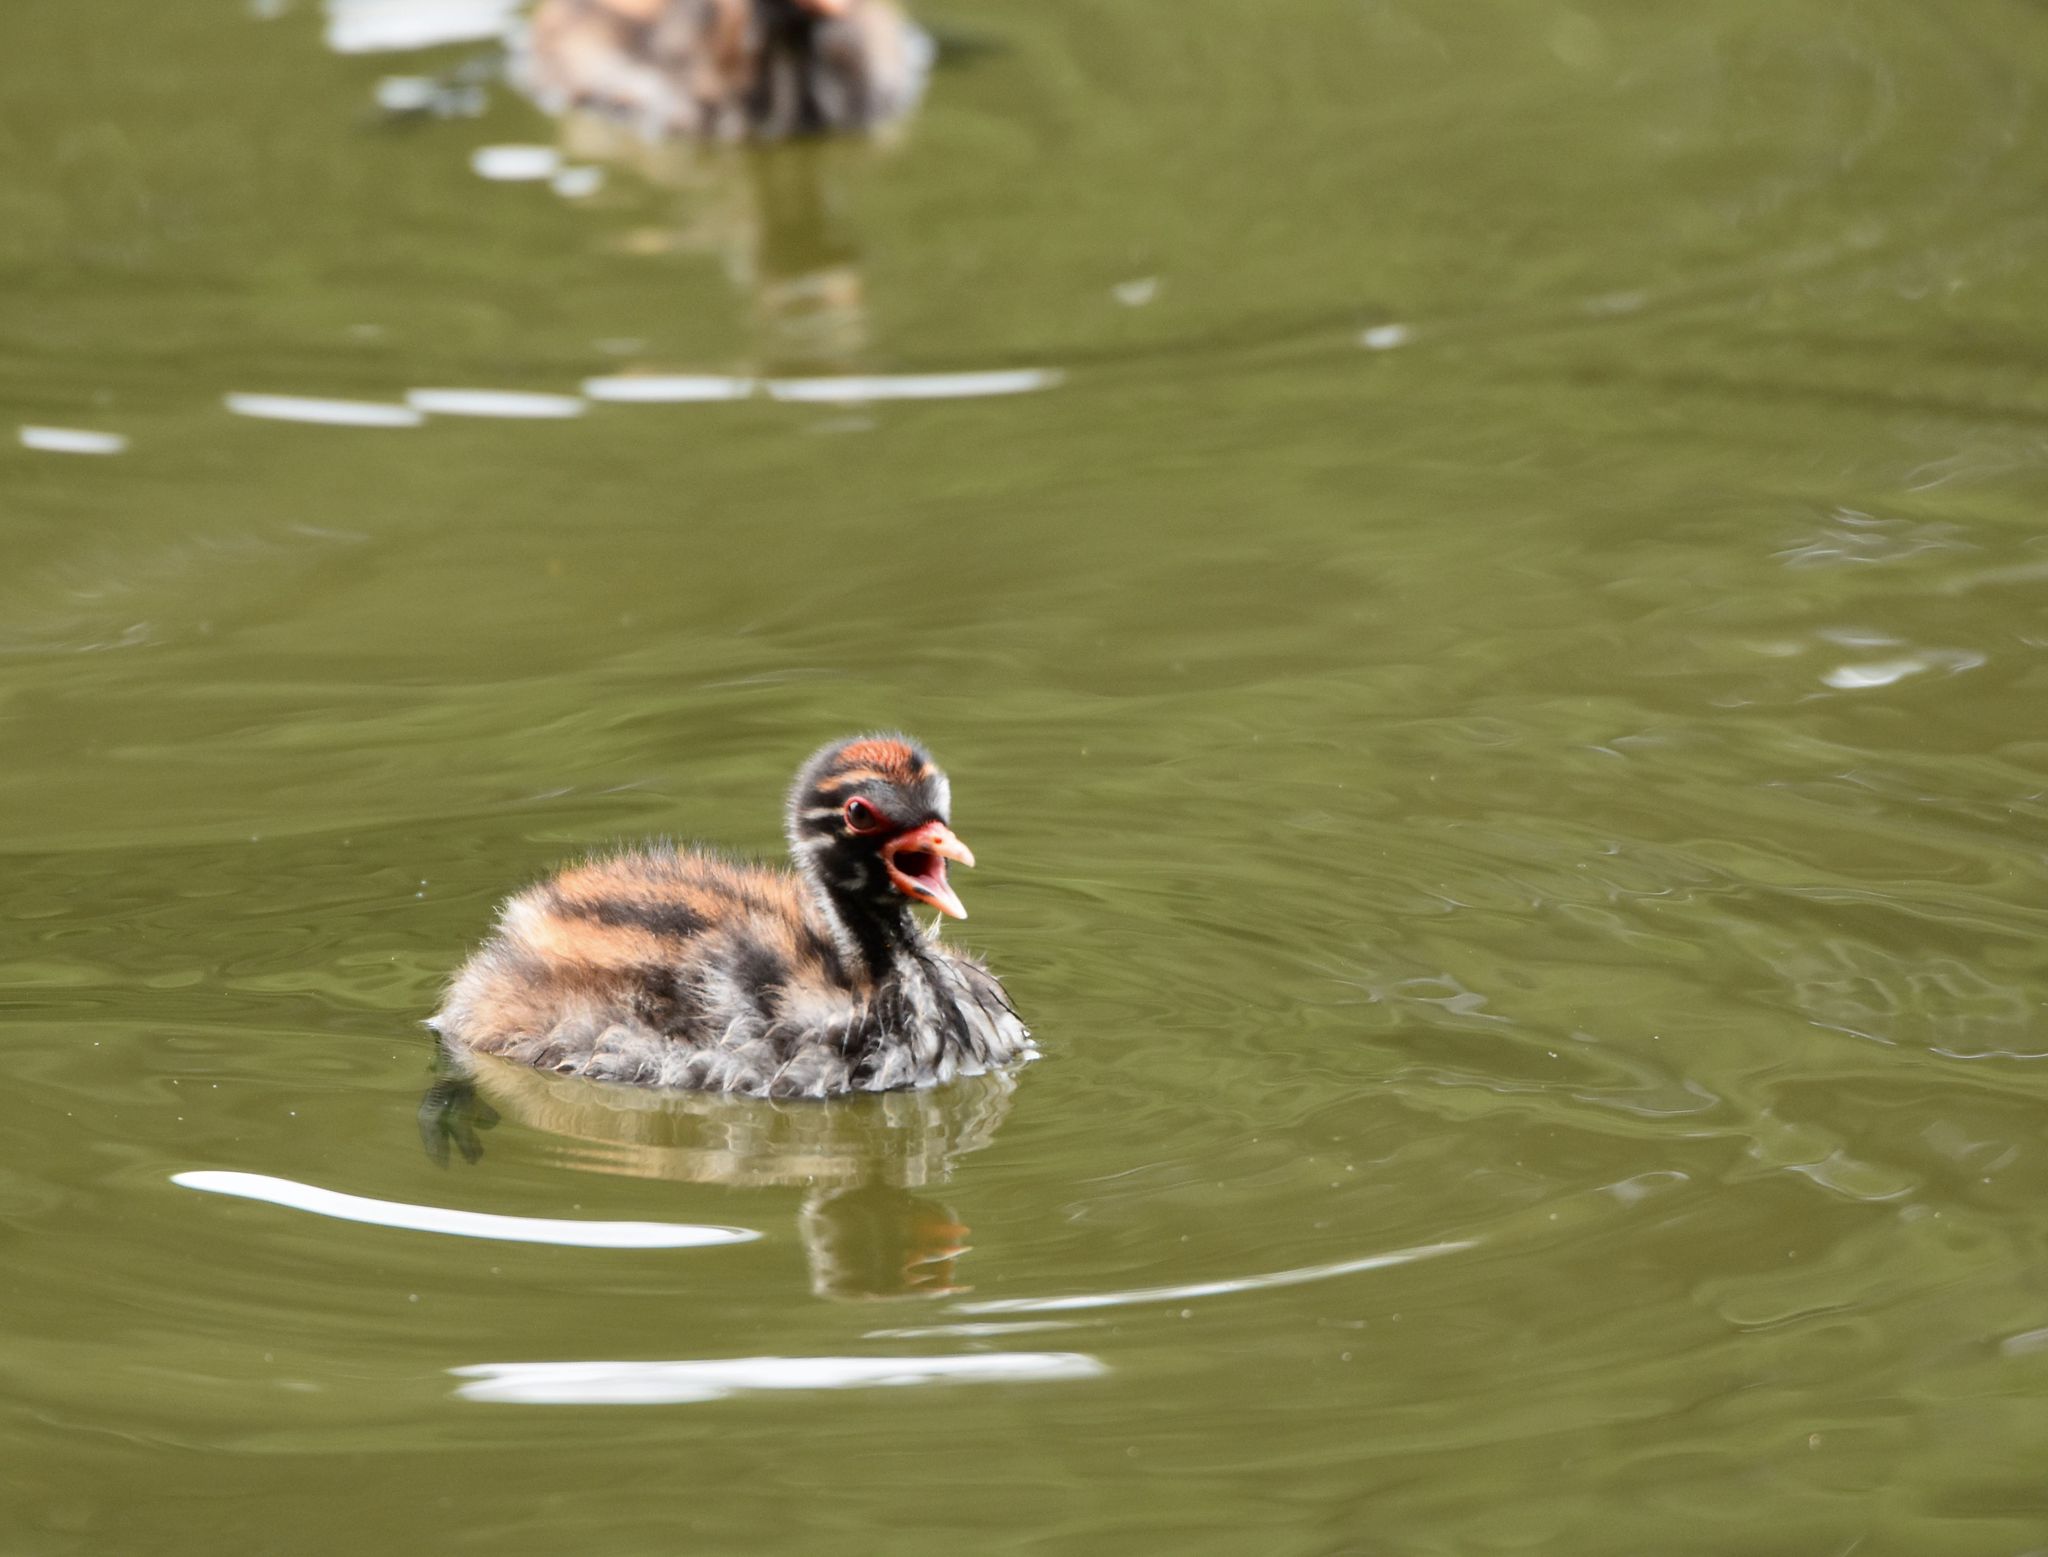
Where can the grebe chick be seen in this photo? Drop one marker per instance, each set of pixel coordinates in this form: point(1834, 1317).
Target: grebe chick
point(726, 70)
point(666, 967)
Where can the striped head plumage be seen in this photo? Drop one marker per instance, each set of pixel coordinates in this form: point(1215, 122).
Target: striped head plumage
point(870, 824)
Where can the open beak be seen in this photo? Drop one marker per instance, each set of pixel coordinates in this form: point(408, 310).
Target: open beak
point(916, 862)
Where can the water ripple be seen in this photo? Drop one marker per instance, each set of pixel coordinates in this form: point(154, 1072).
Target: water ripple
point(1300, 1276)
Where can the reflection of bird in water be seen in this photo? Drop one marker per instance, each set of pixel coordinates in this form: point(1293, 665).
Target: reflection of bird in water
point(775, 219)
point(875, 1241)
point(727, 70)
point(866, 1232)
point(644, 84)
point(670, 968)
point(810, 303)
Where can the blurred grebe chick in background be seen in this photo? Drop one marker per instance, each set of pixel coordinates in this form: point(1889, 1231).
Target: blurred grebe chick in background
point(726, 70)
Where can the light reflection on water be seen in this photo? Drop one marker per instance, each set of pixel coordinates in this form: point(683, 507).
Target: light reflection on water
point(394, 26)
point(913, 386)
point(458, 1224)
point(328, 413)
point(70, 440)
point(678, 1383)
point(513, 405)
point(667, 388)
point(516, 164)
point(527, 405)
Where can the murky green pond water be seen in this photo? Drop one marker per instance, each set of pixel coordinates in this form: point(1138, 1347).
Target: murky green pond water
point(1493, 655)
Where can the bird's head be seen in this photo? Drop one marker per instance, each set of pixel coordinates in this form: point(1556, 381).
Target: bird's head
point(869, 820)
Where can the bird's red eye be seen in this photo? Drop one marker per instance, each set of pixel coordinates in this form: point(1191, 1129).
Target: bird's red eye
point(862, 817)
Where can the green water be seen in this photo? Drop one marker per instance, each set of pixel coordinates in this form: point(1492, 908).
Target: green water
point(1497, 694)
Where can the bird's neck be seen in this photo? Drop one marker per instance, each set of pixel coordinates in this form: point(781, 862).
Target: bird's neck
point(880, 933)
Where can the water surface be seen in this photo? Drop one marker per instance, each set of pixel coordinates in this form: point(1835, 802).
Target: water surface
point(1490, 649)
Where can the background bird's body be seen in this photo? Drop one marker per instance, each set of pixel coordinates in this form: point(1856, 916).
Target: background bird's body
point(672, 968)
point(727, 70)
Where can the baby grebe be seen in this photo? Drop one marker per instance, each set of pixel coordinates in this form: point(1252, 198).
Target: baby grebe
point(726, 69)
point(669, 968)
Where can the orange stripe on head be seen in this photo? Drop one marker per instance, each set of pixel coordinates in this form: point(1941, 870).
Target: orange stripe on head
point(897, 762)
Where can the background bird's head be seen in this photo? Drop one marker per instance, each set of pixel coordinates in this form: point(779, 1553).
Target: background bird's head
point(868, 820)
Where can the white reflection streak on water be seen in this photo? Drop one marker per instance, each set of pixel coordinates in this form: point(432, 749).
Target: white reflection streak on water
point(71, 440)
point(1856, 678)
point(913, 386)
point(383, 26)
point(515, 164)
point(461, 1224)
point(667, 388)
point(978, 1331)
point(1198, 1289)
point(328, 413)
point(621, 389)
point(510, 403)
point(689, 1383)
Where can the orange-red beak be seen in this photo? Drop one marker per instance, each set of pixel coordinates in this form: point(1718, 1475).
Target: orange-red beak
point(827, 7)
point(916, 862)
